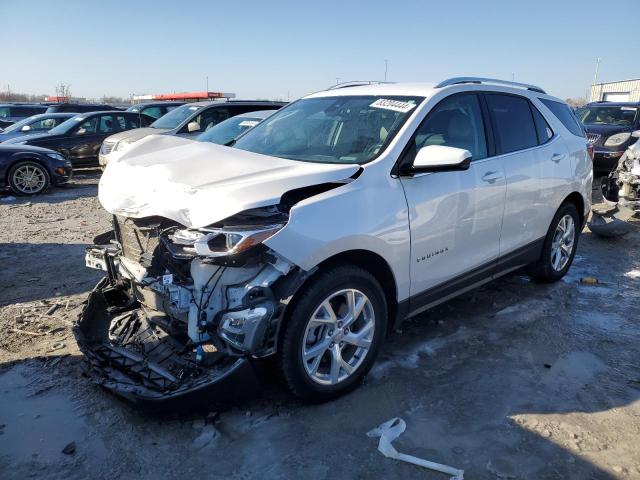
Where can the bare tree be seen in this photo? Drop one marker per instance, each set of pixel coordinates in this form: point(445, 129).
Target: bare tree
point(63, 90)
point(576, 102)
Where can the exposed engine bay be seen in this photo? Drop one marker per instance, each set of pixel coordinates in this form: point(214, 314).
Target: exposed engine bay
point(179, 308)
point(621, 193)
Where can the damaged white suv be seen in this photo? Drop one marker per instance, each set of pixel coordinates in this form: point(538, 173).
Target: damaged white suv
point(324, 227)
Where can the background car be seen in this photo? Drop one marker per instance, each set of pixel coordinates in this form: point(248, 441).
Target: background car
point(80, 137)
point(609, 126)
point(14, 112)
point(188, 120)
point(228, 130)
point(31, 170)
point(80, 107)
point(36, 124)
point(154, 109)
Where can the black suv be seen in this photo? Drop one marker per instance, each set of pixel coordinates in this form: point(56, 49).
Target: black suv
point(13, 112)
point(79, 107)
point(609, 126)
point(80, 137)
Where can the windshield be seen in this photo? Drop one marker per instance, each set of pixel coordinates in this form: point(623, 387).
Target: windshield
point(18, 125)
point(346, 129)
point(67, 125)
point(607, 115)
point(175, 117)
point(226, 131)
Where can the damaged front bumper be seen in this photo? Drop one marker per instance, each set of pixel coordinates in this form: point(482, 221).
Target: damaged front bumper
point(621, 194)
point(166, 323)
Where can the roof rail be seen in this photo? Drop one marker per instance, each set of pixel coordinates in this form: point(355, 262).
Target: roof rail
point(356, 83)
point(458, 80)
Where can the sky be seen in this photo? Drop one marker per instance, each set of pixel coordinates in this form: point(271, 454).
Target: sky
point(286, 49)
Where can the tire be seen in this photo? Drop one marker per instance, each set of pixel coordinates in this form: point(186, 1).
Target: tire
point(548, 269)
point(28, 178)
point(310, 328)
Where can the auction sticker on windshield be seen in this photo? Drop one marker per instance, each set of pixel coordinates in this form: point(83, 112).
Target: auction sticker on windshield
point(395, 105)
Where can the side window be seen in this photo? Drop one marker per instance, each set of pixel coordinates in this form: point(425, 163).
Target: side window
point(170, 107)
point(565, 115)
point(107, 124)
point(155, 112)
point(133, 121)
point(211, 117)
point(87, 127)
point(121, 123)
point(40, 125)
point(513, 122)
point(542, 127)
point(455, 122)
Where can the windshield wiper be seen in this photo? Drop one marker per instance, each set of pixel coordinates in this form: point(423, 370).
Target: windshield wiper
point(230, 143)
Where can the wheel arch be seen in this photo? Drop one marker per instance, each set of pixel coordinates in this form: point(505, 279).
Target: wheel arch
point(373, 263)
point(576, 199)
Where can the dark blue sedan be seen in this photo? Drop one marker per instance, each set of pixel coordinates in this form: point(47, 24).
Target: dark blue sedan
point(28, 170)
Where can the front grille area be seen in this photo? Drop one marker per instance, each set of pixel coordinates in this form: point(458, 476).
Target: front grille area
point(140, 238)
point(592, 138)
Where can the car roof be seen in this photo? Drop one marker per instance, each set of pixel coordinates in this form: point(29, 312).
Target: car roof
point(257, 114)
point(613, 104)
point(54, 115)
point(158, 103)
point(235, 102)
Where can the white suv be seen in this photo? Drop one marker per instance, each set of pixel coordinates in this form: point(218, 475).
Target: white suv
point(324, 227)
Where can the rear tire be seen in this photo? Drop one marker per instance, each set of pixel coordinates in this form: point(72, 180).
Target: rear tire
point(28, 178)
point(559, 247)
point(325, 352)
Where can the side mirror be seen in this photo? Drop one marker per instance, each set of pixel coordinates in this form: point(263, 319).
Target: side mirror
point(439, 158)
point(25, 128)
point(193, 127)
point(635, 134)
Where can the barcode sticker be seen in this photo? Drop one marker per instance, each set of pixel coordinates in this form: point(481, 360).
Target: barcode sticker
point(395, 105)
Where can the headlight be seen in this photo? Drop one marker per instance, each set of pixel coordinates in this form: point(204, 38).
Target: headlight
point(121, 145)
point(56, 156)
point(223, 242)
point(617, 139)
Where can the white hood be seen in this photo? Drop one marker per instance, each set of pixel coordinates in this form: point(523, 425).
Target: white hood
point(200, 183)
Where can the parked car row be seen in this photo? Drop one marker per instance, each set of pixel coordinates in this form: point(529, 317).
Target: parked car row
point(88, 139)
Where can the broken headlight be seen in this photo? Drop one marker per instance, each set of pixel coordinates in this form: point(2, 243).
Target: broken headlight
point(223, 242)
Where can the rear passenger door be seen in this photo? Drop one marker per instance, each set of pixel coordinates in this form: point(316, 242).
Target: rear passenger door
point(536, 166)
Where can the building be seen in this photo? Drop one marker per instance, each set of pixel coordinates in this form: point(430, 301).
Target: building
point(186, 96)
point(623, 91)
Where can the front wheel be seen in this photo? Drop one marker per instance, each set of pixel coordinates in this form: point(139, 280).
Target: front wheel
point(333, 333)
point(560, 246)
point(28, 178)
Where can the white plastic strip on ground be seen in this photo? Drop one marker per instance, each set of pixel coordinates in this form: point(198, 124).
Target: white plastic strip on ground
point(391, 430)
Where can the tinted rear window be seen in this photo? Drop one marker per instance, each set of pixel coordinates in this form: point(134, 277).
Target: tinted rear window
point(544, 130)
point(565, 115)
point(513, 122)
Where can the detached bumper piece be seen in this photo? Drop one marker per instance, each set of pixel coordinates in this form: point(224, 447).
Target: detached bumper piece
point(135, 358)
point(612, 222)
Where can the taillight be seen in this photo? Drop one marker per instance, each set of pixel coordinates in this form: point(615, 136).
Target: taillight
point(591, 150)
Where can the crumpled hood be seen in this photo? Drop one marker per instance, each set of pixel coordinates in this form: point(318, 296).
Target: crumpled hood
point(200, 183)
point(135, 134)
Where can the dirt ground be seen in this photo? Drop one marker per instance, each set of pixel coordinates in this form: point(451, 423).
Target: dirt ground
point(513, 381)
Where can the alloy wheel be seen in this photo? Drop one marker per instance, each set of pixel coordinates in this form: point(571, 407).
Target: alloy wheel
point(563, 243)
point(338, 336)
point(29, 179)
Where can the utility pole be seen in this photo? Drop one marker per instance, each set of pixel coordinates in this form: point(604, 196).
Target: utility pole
point(207, 84)
point(337, 80)
point(595, 77)
point(386, 64)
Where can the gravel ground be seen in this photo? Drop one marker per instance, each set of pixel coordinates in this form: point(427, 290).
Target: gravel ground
point(515, 380)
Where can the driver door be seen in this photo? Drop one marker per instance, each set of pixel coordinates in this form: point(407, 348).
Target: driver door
point(455, 217)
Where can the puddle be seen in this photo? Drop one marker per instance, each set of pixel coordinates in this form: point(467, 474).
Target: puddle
point(37, 427)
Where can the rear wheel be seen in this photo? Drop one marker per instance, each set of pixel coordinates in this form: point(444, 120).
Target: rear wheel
point(559, 247)
point(333, 334)
point(28, 178)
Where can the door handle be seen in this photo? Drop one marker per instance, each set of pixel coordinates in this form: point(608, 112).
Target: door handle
point(556, 157)
point(491, 177)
